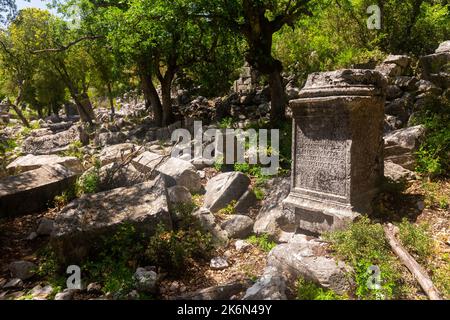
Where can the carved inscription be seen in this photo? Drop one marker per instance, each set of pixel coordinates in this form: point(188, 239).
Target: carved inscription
point(322, 155)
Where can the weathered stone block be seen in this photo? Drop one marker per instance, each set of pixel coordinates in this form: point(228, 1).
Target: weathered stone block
point(337, 148)
point(31, 191)
point(31, 162)
point(82, 223)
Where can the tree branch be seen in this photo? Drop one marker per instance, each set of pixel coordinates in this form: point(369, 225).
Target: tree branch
point(71, 44)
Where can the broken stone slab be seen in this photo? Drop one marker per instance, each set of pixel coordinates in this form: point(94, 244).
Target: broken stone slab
point(308, 259)
point(225, 188)
point(397, 173)
point(116, 175)
point(180, 172)
point(218, 263)
point(117, 152)
point(238, 226)
point(400, 146)
point(270, 286)
point(33, 190)
point(31, 162)
point(82, 223)
point(147, 161)
point(221, 292)
point(51, 143)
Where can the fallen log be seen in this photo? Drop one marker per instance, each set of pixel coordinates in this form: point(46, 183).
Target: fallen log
point(417, 271)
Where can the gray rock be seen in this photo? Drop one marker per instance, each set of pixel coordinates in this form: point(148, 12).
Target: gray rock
point(208, 223)
point(117, 153)
point(179, 194)
point(33, 235)
point(147, 162)
point(245, 202)
point(32, 162)
point(94, 287)
point(307, 259)
point(393, 92)
point(271, 286)
point(45, 227)
point(219, 263)
point(202, 163)
point(67, 294)
point(400, 146)
point(238, 226)
point(31, 191)
point(146, 280)
point(222, 292)
point(117, 175)
point(443, 47)
point(50, 143)
point(41, 293)
point(84, 221)
point(397, 173)
point(110, 138)
point(391, 123)
point(224, 188)
point(400, 60)
point(272, 219)
point(241, 245)
point(13, 283)
point(22, 270)
point(179, 172)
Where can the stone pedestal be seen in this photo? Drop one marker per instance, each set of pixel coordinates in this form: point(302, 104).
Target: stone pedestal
point(337, 151)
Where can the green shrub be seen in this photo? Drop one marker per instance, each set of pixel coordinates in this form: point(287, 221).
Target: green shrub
point(75, 150)
point(262, 241)
point(416, 239)
point(363, 245)
point(173, 249)
point(433, 155)
point(307, 290)
point(88, 182)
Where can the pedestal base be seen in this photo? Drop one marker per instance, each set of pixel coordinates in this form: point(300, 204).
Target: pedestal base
point(318, 216)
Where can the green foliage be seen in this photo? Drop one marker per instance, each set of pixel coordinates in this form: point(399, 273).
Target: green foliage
point(229, 209)
point(88, 182)
point(262, 241)
point(307, 290)
point(116, 259)
point(364, 245)
point(416, 239)
point(433, 155)
point(259, 193)
point(226, 123)
point(75, 150)
point(173, 249)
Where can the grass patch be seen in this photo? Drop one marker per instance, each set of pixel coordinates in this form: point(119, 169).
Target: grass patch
point(262, 241)
point(416, 239)
point(307, 290)
point(363, 245)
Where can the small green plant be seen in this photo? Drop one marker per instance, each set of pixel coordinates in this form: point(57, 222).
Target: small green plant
point(226, 123)
point(307, 290)
point(262, 241)
point(363, 245)
point(75, 150)
point(416, 239)
point(218, 163)
point(259, 193)
point(88, 182)
point(229, 209)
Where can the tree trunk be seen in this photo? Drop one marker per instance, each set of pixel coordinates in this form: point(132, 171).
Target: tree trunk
point(277, 98)
point(152, 101)
point(166, 88)
point(16, 108)
point(111, 100)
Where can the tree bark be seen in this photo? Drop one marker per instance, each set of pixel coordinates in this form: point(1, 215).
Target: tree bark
point(111, 100)
point(152, 101)
point(166, 89)
point(277, 98)
point(16, 108)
